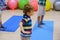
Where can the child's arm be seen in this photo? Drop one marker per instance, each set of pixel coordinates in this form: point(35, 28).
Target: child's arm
point(21, 29)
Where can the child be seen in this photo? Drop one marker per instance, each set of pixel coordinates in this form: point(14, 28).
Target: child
point(41, 12)
point(26, 23)
point(2, 7)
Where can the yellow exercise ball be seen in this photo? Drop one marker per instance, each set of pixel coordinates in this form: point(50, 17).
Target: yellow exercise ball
point(48, 5)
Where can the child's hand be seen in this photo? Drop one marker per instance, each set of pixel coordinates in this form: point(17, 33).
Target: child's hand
point(21, 29)
point(27, 32)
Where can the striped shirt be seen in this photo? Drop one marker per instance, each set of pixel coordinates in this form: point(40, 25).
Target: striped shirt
point(27, 24)
point(42, 2)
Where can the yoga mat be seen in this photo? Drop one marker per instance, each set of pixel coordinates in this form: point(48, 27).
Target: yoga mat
point(12, 24)
point(45, 33)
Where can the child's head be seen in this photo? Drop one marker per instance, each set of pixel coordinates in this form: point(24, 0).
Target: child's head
point(28, 9)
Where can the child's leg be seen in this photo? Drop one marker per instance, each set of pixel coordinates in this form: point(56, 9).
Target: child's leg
point(22, 38)
point(39, 19)
point(43, 13)
point(28, 38)
point(40, 13)
point(25, 38)
point(42, 17)
point(1, 20)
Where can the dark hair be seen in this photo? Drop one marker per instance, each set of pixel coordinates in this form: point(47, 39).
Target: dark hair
point(27, 8)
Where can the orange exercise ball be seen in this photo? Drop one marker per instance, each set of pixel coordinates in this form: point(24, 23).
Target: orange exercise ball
point(12, 4)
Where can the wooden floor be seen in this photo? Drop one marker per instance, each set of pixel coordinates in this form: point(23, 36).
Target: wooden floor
point(51, 15)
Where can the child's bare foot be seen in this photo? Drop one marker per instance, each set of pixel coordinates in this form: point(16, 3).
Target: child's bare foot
point(42, 23)
point(40, 26)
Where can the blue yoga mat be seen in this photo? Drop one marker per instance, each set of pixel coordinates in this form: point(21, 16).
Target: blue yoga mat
point(45, 33)
point(12, 24)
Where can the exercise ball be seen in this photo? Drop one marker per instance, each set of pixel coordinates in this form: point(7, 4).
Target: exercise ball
point(22, 3)
point(48, 5)
point(34, 3)
point(12, 4)
point(33, 0)
point(56, 5)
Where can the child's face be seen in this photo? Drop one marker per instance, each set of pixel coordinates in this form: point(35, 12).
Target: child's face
point(31, 13)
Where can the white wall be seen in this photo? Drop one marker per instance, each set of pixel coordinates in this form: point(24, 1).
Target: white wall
point(52, 1)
